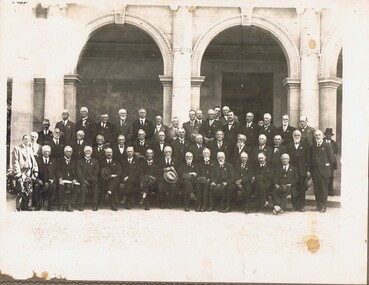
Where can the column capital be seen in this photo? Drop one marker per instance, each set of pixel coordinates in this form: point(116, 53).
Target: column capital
point(246, 16)
point(330, 82)
point(196, 81)
point(292, 83)
point(120, 15)
point(166, 80)
point(72, 79)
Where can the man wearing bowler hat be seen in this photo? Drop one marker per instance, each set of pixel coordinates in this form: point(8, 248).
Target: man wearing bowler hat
point(328, 139)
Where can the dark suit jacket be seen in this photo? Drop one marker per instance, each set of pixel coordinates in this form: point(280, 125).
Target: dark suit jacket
point(157, 151)
point(46, 171)
point(117, 155)
point(184, 168)
point(276, 156)
point(163, 128)
point(99, 155)
point(115, 167)
point(300, 157)
point(88, 171)
point(152, 170)
point(191, 130)
point(57, 151)
point(132, 170)
point(78, 150)
point(226, 148)
point(44, 139)
point(263, 173)
point(68, 132)
point(209, 131)
point(205, 170)
point(172, 134)
point(287, 135)
point(308, 134)
point(225, 174)
point(89, 129)
point(246, 148)
point(141, 149)
point(230, 135)
point(66, 172)
point(323, 158)
point(252, 134)
point(334, 146)
point(148, 127)
point(245, 174)
point(197, 152)
point(280, 177)
point(269, 132)
point(267, 150)
point(125, 129)
point(109, 132)
point(179, 150)
point(162, 164)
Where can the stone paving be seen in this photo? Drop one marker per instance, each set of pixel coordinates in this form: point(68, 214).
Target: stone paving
point(173, 245)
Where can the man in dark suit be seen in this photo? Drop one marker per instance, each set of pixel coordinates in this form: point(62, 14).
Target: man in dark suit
point(199, 119)
point(202, 187)
point(191, 127)
point(210, 126)
point(328, 139)
point(285, 178)
point(232, 129)
point(110, 173)
point(45, 182)
point(285, 131)
point(149, 173)
point(130, 178)
point(144, 124)
point(159, 127)
point(262, 148)
point(188, 172)
point(278, 150)
point(87, 125)
point(173, 130)
point(88, 175)
point(167, 190)
point(241, 146)
point(45, 135)
point(78, 146)
point(307, 132)
point(220, 145)
point(119, 150)
point(268, 129)
point(159, 145)
point(222, 177)
point(262, 181)
point(125, 127)
point(67, 179)
point(57, 145)
point(251, 130)
point(300, 157)
point(322, 160)
point(197, 148)
point(141, 144)
point(107, 130)
point(181, 145)
point(98, 151)
point(242, 184)
point(67, 128)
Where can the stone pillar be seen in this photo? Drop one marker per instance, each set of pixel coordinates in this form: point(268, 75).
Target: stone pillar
point(293, 100)
point(309, 51)
point(38, 103)
point(182, 49)
point(70, 94)
point(167, 98)
point(328, 102)
point(196, 83)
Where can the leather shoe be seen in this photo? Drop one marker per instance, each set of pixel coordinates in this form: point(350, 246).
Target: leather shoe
point(94, 208)
point(316, 209)
point(293, 209)
point(82, 207)
point(302, 209)
point(323, 210)
point(187, 209)
point(198, 209)
point(210, 209)
point(227, 210)
point(147, 208)
point(247, 211)
point(203, 209)
point(114, 208)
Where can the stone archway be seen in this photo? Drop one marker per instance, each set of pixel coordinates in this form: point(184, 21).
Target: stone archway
point(283, 38)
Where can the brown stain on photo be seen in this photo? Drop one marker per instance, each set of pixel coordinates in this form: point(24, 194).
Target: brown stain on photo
point(312, 243)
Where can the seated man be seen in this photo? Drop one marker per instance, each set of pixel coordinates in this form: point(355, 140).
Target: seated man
point(98, 151)
point(188, 172)
point(130, 183)
point(242, 185)
point(67, 177)
point(141, 144)
point(159, 144)
point(285, 180)
point(167, 190)
point(45, 181)
point(111, 173)
point(88, 175)
point(148, 178)
point(262, 181)
point(205, 166)
point(222, 177)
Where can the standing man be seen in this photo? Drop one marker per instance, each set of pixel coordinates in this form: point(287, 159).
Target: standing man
point(119, 150)
point(88, 175)
point(241, 146)
point(322, 160)
point(173, 130)
point(98, 151)
point(210, 127)
point(36, 148)
point(106, 129)
point(328, 139)
point(141, 144)
point(159, 127)
point(191, 127)
point(300, 157)
point(285, 131)
point(125, 127)
point(232, 129)
point(278, 150)
point(219, 145)
point(142, 123)
point(251, 130)
point(78, 146)
point(87, 125)
point(307, 132)
point(263, 148)
point(45, 135)
point(199, 117)
point(180, 146)
point(159, 145)
point(67, 128)
point(197, 148)
point(268, 129)
point(57, 145)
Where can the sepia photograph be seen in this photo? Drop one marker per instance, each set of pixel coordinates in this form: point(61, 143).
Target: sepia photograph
point(184, 141)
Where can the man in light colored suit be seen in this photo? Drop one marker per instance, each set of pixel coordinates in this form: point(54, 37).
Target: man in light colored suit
point(67, 128)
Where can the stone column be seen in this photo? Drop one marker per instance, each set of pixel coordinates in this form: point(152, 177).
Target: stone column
point(182, 49)
point(293, 100)
point(196, 83)
point(167, 98)
point(309, 51)
point(70, 94)
point(328, 102)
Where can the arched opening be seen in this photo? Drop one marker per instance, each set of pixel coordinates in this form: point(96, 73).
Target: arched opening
point(244, 68)
point(119, 66)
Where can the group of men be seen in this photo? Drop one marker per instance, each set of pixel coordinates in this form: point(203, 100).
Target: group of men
point(213, 163)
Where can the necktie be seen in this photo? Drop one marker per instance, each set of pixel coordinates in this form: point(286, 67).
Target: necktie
point(84, 122)
point(100, 148)
point(275, 149)
point(149, 163)
point(192, 124)
point(87, 161)
point(57, 142)
point(207, 162)
point(121, 122)
point(219, 144)
point(285, 168)
point(248, 125)
point(168, 162)
point(65, 123)
point(284, 128)
point(221, 166)
point(243, 165)
point(67, 161)
point(109, 161)
point(229, 126)
point(141, 143)
point(142, 122)
point(130, 161)
point(260, 148)
point(46, 161)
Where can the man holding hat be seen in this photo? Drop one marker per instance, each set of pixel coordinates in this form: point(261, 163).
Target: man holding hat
point(88, 173)
point(67, 128)
point(328, 139)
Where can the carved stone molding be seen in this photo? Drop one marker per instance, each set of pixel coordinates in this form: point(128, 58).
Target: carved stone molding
point(291, 83)
point(330, 52)
point(119, 16)
point(330, 82)
point(72, 79)
point(196, 81)
point(246, 13)
point(166, 81)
